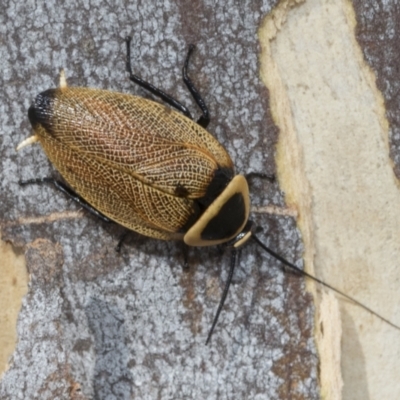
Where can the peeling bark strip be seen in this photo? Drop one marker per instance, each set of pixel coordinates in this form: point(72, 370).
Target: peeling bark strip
point(333, 163)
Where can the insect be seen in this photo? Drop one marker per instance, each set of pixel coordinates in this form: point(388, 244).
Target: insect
point(148, 167)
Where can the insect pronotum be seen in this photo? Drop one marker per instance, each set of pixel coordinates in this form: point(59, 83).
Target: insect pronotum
point(147, 167)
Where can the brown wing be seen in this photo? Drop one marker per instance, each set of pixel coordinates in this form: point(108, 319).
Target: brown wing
point(145, 139)
point(127, 156)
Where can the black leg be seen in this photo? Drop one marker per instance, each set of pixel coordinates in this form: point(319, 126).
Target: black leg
point(148, 86)
point(261, 175)
point(204, 120)
point(185, 250)
point(121, 241)
point(67, 191)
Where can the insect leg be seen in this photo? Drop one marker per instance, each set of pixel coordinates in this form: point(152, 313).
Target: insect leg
point(151, 88)
point(261, 175)
point(185, 250)
point(204, 120)
point(121, 241)
point(67, 191)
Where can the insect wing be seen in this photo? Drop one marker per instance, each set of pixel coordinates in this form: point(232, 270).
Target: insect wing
point(136, 161)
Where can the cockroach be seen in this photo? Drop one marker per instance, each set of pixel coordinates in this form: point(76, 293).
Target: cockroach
point(148, 167)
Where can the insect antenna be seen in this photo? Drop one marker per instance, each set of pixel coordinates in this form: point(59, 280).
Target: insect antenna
point(301, 272)
point(224, 294)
